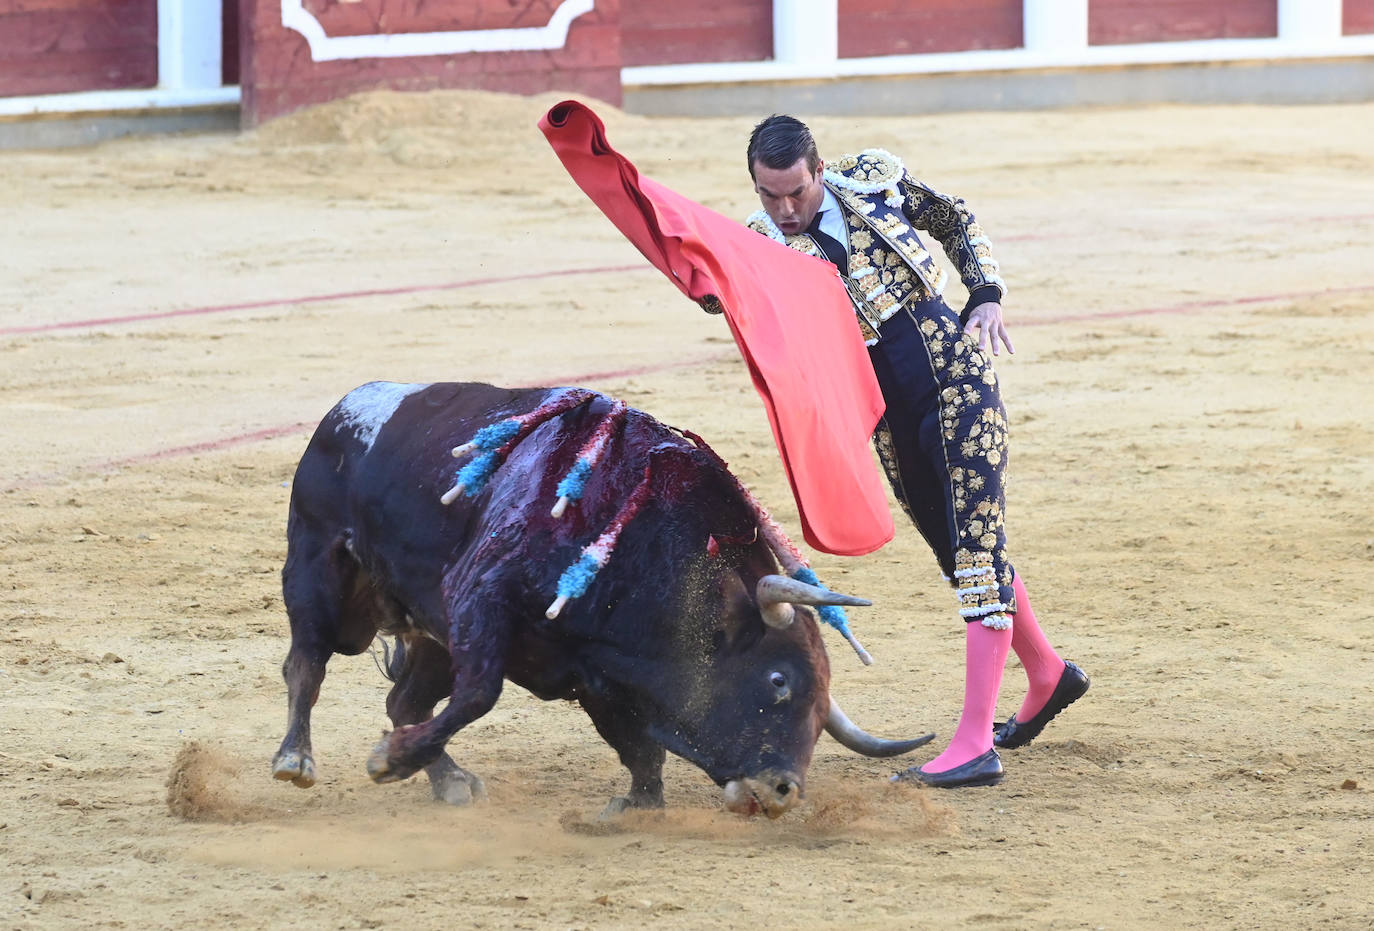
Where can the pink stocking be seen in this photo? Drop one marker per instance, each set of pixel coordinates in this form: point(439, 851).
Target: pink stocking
point(1042, 664)
point(985, 655)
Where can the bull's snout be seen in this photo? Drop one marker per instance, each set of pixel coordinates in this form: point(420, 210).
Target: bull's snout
point(773, 792)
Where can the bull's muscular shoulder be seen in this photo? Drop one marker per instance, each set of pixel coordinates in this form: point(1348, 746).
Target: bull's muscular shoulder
point(868, 172)
point(367, 408)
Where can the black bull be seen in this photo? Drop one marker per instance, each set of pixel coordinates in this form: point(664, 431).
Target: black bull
point(676, 644)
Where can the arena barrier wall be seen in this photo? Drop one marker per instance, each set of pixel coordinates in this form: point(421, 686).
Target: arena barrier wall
point(193, 61)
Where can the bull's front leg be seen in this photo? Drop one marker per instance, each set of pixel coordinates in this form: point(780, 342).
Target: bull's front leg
point(479, 635)
point(620, 725)
point(413, 747)
point(420, 669)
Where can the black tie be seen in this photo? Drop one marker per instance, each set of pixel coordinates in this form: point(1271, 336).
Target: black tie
point(836, 253)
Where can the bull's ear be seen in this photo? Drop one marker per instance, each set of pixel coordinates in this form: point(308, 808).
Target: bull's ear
point(718, 641)
point(738, 622)
point(737, 602)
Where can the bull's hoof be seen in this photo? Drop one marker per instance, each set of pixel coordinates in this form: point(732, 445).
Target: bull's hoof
point(457, 786)
point(379, 766)
point(615, 808)
point(640, 801)
point(295, 767)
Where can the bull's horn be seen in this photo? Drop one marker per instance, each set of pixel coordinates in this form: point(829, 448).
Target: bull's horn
point(776, 594)
point(849, 734)
point(777, 588)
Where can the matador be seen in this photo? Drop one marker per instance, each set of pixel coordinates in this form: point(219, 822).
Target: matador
point(943, 438)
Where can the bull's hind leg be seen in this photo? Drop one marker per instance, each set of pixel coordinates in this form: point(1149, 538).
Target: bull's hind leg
point(619, 724)
point(332, 609)
point(420, 669)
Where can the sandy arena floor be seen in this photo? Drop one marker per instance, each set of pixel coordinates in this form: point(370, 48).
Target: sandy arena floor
point(1193, 306)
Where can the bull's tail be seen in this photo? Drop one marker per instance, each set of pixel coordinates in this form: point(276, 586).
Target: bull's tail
point(392, 658)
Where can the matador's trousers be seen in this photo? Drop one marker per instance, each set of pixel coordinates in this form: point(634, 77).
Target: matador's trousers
point(943, 443)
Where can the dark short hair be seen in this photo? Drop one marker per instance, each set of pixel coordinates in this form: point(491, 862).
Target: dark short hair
point(779, 141)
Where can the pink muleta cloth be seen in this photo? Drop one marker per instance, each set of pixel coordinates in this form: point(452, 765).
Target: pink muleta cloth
point(791, 318)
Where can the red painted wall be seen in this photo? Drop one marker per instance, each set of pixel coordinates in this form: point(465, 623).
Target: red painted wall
point(1114, 22)
point(1358, 17)
point(279, 76)
point(910, 27)
point(59, 46)
point(655, 32)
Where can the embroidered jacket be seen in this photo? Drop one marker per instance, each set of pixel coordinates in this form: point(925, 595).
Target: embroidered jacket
point(883, 206)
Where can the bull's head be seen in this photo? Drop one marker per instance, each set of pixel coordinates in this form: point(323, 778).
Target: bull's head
point(777, 597)
point(749, 708)
point(713, 660)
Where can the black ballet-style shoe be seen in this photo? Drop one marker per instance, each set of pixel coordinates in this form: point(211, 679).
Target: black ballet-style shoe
point(1073, 682)
point(985, 770)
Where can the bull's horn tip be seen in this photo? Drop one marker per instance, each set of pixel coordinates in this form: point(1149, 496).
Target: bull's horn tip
point(556, 607)
point(560, 507)
point(463, 450)
point(451, 494)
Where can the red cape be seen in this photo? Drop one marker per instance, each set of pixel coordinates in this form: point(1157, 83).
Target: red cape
point(790, 316)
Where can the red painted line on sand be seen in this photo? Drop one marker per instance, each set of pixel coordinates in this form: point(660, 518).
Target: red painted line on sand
point(209, 446)
point(1239, 225)
point(458, 285)
point(268, 433)
point(311, 299)
point(1193, 305)
point(272, 433)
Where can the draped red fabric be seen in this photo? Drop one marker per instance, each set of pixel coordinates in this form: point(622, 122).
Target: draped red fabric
point(790, 316)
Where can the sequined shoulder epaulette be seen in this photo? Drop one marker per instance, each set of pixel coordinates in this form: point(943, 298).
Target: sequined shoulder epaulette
point(872, 171)
point(761, 222)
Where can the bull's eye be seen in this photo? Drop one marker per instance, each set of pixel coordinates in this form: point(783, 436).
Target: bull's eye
point(781, 691)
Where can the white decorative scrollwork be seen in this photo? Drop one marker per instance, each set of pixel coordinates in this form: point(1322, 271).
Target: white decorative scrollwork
point(324, 47)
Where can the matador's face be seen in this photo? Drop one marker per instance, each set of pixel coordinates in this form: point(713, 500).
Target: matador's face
point(790, 196)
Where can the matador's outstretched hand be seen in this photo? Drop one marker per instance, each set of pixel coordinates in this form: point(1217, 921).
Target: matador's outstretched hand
point(986, 319)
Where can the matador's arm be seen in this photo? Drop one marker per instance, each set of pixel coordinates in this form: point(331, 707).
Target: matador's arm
point(950, 221)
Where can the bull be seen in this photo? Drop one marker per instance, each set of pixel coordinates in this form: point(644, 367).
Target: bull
point(670, 623)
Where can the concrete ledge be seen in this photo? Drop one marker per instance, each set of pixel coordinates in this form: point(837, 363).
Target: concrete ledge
point(64, 130)
point(1297, 81)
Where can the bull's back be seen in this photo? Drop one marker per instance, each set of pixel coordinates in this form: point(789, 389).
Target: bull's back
point(371, 477)
point(376, 469)
point(385, 428)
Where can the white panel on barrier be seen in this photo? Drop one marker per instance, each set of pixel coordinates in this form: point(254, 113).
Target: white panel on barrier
point(189, 44)
point(1310, 20)
point(806, 31)
point(1049, 25)
point(324, 47)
